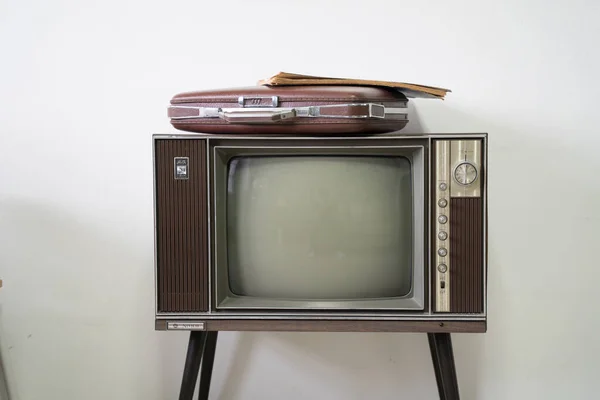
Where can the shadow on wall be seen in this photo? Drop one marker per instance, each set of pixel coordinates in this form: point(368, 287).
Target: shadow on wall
point(78, 296)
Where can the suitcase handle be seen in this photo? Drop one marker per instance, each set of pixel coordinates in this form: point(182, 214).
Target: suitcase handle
point(265, 115)
point(250, 116)
point(237, 115)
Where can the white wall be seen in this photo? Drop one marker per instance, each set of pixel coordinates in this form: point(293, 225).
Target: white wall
point(83, 85)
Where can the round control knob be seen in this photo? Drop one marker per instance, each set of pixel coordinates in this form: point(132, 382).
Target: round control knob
point(443, 235)
point(442, 252)
point(465, 173)
point(442, 268)
point(442, 219)
point(442, 203)
point(443, 186)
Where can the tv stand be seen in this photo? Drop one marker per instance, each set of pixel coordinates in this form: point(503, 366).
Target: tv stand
point(201, 356)
point(442, 356)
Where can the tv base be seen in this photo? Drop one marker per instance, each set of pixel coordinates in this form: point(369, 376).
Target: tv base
point(324, 325)
point(201, 356)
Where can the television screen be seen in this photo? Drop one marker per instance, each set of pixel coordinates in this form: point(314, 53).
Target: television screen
point(319, 227)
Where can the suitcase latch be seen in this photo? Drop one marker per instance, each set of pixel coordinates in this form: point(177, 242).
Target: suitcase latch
point(258, 101)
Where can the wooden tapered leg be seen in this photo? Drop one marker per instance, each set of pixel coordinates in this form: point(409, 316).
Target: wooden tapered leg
point(192, 364)
point(442, 357)
point(208, 360)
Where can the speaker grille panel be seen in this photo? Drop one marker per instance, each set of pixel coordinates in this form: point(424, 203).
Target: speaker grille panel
point(466, 255)
point(181, 225)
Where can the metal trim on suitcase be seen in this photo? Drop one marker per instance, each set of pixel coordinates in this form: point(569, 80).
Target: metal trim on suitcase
point(275, 115)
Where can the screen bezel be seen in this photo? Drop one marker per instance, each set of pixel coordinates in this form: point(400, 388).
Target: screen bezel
point(224, 300)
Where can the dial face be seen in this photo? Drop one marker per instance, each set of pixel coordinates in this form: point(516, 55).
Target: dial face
point(465, 173)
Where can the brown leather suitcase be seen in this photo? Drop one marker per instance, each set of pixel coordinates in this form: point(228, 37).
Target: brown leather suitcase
point(317, 110)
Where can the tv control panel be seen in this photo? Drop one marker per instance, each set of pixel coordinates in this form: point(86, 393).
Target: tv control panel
point(457, 175)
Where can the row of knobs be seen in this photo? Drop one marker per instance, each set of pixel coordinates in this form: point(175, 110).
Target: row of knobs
point(442, 235)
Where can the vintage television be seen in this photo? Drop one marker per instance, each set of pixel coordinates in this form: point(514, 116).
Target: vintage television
point(366, 233)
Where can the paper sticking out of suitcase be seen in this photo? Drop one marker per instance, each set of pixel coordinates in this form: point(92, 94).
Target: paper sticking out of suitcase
point(410, 90)
point(303, 109)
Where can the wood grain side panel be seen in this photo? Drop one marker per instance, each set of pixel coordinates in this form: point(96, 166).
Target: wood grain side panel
point(181, 227)
point(466, 255)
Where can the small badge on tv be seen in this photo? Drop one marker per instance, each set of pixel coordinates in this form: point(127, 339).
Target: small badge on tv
point(182, 167)
point(186, 326)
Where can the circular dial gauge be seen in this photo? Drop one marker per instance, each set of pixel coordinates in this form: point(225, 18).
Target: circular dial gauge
point(465, 173)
